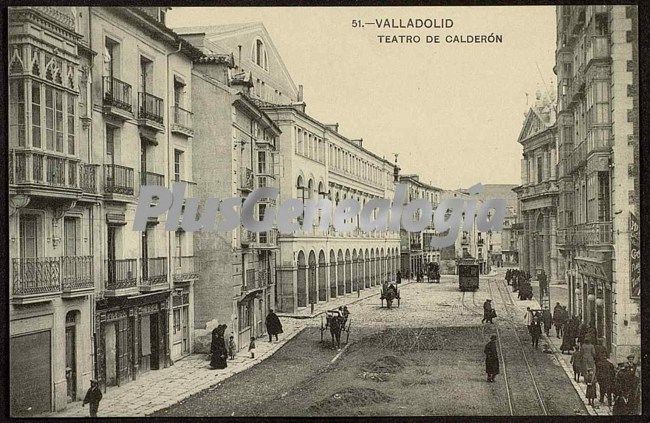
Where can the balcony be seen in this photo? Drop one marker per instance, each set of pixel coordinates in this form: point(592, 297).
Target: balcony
point(118, 179)
point(44, 174)
point(184, 269)
point(122, 277)
point(247, 181)
point(35, 279)
point(598, 49)
point(247, 238)
point(117, 98)
point(154, 274)
point(77, 275)
point(593, 234)
point(182, 124)
point(267, 239)
point(88, 178)
point(150, 111)
point(150, 178)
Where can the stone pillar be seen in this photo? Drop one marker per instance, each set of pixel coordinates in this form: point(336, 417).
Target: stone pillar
point(523, 242)
point(532, 260)
point(547, 244)
point(554, 276)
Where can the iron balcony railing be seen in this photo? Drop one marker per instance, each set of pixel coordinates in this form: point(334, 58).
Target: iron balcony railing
point(150, 107)
point(593, 234)
point(154, 271)
point(27, 167)
point(118, 179)
point(150, 178)
point(184, 268)
point(117, 93)
point(88, 178)
point(49, 275)
point(121, 273)
point(76, 272)
point(182, 117)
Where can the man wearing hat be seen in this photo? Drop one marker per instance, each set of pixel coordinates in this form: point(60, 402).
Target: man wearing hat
point(491, 359)
point(93, 396)
point(630, 363)
point(487, 311)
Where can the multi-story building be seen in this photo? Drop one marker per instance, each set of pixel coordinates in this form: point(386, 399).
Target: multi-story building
point(314, 161)
point(235, 151)
point(53, 196)
point(499, 244)
point(509, 235)
point(416, 250)
point(598, 208)
point(538, 192)
point(90, 296)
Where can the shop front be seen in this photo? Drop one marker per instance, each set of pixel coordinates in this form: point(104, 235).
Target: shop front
point(595, 296)
point(133, 337)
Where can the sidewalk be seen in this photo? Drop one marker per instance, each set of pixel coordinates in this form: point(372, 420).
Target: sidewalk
point(158, 389)
point(337, 302)
point(562, 359)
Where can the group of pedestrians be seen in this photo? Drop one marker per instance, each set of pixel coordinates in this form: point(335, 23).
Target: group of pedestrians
point(220, 351)
point(520, 282)
point(590, 360)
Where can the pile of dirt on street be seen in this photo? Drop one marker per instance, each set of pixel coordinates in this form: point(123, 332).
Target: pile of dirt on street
point(386, 364)
point(345, 399)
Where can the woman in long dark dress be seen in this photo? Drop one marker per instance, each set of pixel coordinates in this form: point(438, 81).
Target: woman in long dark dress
point(568, 337)
point(218, 348)
point(491, 359)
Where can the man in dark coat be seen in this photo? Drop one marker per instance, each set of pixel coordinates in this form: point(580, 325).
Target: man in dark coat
point(558, 321)
point(535, 332)
point(568, 337)
point(487, 311)
point(218, 348)
point(93, 396)
point(491, 359)
point(273, 325)
point(547, 320)
point(398, 278)
point(625, 391)
point(605, 375)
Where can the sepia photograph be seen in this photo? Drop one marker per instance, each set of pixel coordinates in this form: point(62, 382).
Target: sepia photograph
point(310, 211)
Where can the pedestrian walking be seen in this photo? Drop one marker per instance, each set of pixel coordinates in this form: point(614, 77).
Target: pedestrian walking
point(605, 376)
point(218, 349)
point(626, 390)
point(491, 359)
point(547, 320)
point(601, 351)
point(93, 396)
point(273, 325)
point(398, 278)
point(588, 356)
point(487, 311)
point(232, 348)
point(345, 313)
point(528, 318)
point(558, 319)
point(251, 347)
point(535, 332)
point(590, 380)
point(576, 362)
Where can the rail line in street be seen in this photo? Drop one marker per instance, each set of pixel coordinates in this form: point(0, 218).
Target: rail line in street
point(509, 383)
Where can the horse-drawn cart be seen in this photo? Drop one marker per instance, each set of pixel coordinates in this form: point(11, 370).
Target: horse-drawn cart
point(336, 322)
point(389, 292)
point(433, 272)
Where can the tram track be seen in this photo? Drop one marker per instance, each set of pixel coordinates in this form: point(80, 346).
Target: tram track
point(518, 392)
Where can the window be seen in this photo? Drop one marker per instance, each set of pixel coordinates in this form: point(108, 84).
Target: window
point(58, 95)
point(161, 16)
point(49, 118)
point(260, 211)
point(17, 112)
point(36, 115)
point(70, 229)
point(261, 162)
point(178, 245)
point(29, 224)
point(179, 91)
point(539, 169)
point(146, 74)
point(71, 124)
point(111, 49)
point(259, 54)
point(244, 316)
point(110, 144)
point(178, 165)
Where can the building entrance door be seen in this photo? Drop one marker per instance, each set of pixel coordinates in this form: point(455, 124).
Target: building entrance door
point(70, 355)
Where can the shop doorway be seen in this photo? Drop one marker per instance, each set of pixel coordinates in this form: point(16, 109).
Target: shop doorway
point(71, 354)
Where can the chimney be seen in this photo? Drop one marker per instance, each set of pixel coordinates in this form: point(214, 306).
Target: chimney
point(299, 93)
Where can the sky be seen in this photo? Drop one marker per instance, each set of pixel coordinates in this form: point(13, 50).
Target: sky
point(453, 112)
